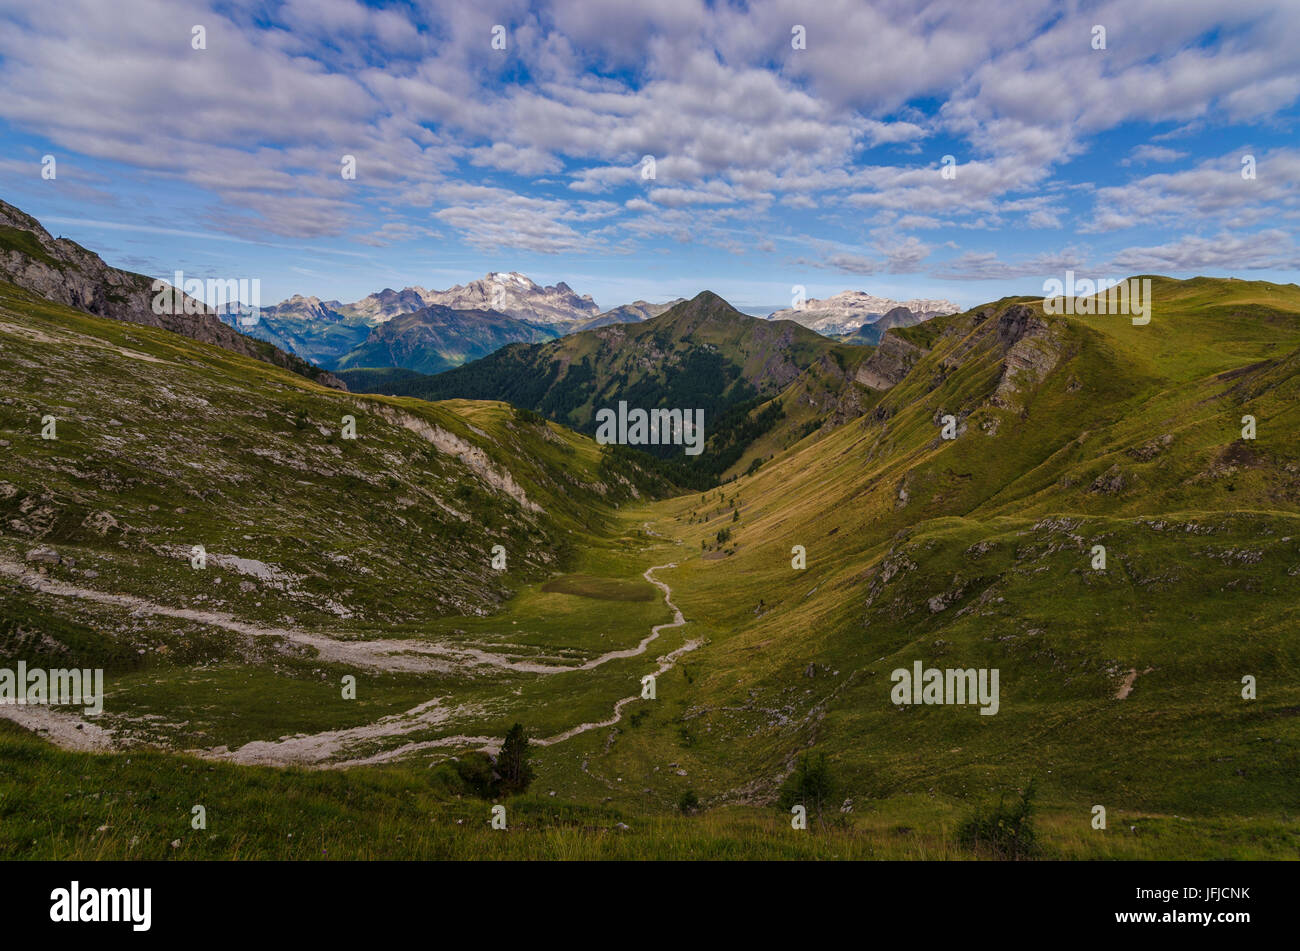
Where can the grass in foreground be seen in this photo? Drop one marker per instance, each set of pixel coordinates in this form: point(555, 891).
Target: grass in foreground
point(58, 805)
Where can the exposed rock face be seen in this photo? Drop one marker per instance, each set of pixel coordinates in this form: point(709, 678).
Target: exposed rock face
point(498, 478)
point(1150, 449)
point(850, 310)
point(1015, 323)
point(63, 271)
point(1032, 351)
point(516, 296)
point(890, 363)
point(387, 304)
point(1111, 481)
point(771, 355)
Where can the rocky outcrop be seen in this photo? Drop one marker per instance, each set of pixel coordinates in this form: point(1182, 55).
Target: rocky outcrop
point(488, 471)
point(62, 271)
point(43, 555)
point(1110, 482)
point(1032, 351)
point(770, 364)
point(892, 361)
point(1015, 323)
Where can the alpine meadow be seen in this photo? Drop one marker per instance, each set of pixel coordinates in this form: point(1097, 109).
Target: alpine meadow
point(706, 431)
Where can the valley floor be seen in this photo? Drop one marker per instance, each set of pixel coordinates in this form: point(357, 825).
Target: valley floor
point(613, 768)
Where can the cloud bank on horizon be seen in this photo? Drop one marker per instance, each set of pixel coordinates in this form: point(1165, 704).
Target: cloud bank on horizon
point(960, 148)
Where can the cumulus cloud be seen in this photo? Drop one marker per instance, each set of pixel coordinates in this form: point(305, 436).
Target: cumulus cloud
point(1272, 249)
point(1214, 190)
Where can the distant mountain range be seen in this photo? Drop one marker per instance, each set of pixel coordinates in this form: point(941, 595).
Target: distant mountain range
point(700, 354)
point(471, 320)
point(632, 313)
point(517, 296)
point(316, 330)
point(415, 329)
point(511, 294)
point(438, 338)
point(869, 334)
point(848, 311)
point(429, 331)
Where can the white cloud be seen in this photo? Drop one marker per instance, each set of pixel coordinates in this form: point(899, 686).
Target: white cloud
point(738, 122)
point(1213, 191)
point(1153, 153)
point(1272, 249)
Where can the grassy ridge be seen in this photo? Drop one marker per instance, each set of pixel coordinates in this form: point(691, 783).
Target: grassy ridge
point(700, 355)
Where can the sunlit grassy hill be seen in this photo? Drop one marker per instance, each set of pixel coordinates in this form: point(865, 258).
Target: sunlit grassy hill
point(978, 551)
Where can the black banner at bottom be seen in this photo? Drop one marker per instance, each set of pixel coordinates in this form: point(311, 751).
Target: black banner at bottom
point(140, 901)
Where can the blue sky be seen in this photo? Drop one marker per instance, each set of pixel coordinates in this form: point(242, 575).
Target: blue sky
point(773, 166)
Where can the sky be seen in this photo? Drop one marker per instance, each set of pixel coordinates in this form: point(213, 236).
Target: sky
point(960, 149)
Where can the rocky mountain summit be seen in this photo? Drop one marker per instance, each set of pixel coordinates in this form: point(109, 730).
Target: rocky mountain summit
point(520, 297)
point(511, 294)
point(307, 308)
point(386, 304)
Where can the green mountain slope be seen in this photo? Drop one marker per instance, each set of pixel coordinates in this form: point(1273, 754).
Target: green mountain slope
point(702, 354)
point(162, 445)
point(978, 552)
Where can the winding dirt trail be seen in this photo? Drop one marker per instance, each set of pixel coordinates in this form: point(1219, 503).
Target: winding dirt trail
point(336, 749)
point(665, 663)
point(66, 731)
point(381, 654)
point(342, 747)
